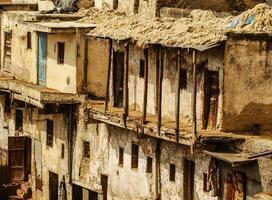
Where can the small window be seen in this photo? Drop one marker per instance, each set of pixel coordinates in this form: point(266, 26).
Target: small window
point(86, 149)
point(205, 182)
point(115, 4)
point(49, 132)
point(149, 165)
point(28, 40)
point(62, 151)
point(19, 120)
point(183, 79)
point(121, 156)
point(134, 155)
point(60, 52)
point(172, 172)
point(142, 68)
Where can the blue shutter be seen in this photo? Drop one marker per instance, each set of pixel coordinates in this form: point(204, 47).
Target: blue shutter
point(42, 57)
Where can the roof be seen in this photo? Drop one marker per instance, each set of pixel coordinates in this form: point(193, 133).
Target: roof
point(36, 95)
point(58, 27)
point(199, 30)
point(235, 158)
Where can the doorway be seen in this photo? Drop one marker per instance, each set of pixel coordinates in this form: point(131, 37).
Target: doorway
point(53, 186)
point(188, 179)
point(118, 77)
point(104, 183)
point(42, 58)
point(19, 158)
point(211, 95)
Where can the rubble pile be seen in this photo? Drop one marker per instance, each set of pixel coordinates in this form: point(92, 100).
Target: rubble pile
point(199, 28)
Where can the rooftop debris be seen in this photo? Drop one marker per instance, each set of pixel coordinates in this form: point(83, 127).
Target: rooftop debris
point(199, 28)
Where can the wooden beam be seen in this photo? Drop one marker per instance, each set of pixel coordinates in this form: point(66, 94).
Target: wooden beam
point(125, 81)
point(145, 86)
point(108, 76)
point(178, 94)
point(194, 131)
point(161, 65)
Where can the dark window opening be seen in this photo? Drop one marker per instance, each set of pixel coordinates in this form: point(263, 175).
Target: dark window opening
point(93, 195)
point(256, 129)
point(62, 150)
point(49, 133)
point(121, 156)
point(205, 182)
point(60, 52)
point(134, 155)
point(7, 50)
point(86, 149)
point(172, 176)
point(149, 165)
point(19, 120)
point(115, 4)
point(183, 79)
point(142, 68)
point(118, 78)
point(28, 40)
point(136, 6)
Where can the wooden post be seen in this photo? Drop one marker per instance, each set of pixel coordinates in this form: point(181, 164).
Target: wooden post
point(145, 86)
point(160, 87)
point(108, 76)
point(178, 94)
point(125, 96)
point(194, 131)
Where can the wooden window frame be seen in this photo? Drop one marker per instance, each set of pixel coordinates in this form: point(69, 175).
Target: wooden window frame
point(49, 132)
point(134, 156)
point(61, 52)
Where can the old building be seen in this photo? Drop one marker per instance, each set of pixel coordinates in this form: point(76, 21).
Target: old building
point(111, 106)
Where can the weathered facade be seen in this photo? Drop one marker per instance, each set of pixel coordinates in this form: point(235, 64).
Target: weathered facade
point(84, 116)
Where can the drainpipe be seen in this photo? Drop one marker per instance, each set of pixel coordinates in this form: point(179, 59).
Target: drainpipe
point(157, 170)
point(70, 141)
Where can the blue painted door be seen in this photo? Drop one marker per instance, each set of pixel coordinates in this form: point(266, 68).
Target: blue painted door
point(42, 57)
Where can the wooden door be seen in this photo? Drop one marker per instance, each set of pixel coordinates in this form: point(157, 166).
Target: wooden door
point(104, 183)
point(118, 77)
point(211, 94)
point(42, 58)
point(53, 186)
point(77, 192)
point(19, 158)
point(236, 186)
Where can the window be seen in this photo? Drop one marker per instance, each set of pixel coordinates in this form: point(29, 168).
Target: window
point(115, 4)
point(121, 156)
point(136, 6)
point(49, 132)
point(142, 68)
point(28, 40)
point(149, 165)
point(7, 50)
point(172, 172)
point(62, 151)
point(18, 120)
point(86, 149)
point(60, 52)
point(183, 79)
point(205, 182)
point(134, 155)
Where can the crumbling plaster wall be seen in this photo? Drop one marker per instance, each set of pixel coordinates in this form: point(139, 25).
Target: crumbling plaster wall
point(34, 126)
point(23, 60)
point(62, 77)
point(247, 85)
point(98, 61)
point(210, 60)
point(172, 153)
